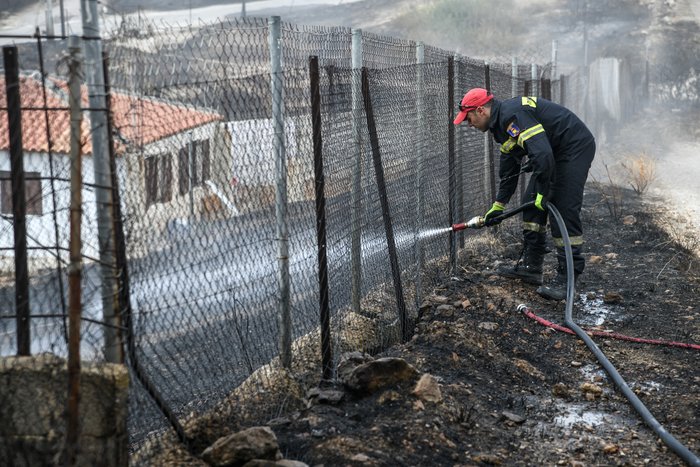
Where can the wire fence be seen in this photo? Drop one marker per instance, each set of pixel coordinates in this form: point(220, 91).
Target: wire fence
point(223, 273)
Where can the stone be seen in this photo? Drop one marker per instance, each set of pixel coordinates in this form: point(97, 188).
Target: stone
point(388, 396)
point(629, 220)
point(488, 326)
point(612, 298)
point(349, 361)
point(590, 388)
point(379, 374)
point(326, 396)
point(428, 389)
point(445, 310)
point(258, 442)
point(561, 390)
point(513, 417)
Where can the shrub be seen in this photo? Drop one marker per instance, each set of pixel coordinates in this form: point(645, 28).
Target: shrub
point(641, 171)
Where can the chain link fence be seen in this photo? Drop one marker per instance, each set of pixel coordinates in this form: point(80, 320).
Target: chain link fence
point(225, 277)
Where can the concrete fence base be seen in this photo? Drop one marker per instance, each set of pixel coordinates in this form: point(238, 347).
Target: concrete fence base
point(34, 391)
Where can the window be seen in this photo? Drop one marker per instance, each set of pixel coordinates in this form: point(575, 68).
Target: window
point(197, 171)
point(32, 193)
point(158, 176)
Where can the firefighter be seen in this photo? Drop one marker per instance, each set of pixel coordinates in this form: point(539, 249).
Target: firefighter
point(553, 143)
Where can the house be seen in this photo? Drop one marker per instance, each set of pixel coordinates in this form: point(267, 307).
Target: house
point(172, 162)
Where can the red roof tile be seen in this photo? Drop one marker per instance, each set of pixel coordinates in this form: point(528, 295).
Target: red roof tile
point(137, 120)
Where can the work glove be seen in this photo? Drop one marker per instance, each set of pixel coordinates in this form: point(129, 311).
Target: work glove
point(540, 202)
point(495, 211)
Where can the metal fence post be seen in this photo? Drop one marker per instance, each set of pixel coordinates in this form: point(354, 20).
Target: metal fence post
point(553, 74)
point(514, 77)
point(488, 145)
point(19, 202)
point(451, 160)
point(278, 145)
point(356, 195)
point(384, 201)
point(535, 81)
point(420, 126)
point(103, 179)
point(324, 308)
point(75, 266)
point(459, 161)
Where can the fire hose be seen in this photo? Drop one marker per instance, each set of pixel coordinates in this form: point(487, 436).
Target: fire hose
point(682, 451)
point(613, 335)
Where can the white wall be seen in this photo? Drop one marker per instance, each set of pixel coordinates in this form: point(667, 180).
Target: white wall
point(40, 228)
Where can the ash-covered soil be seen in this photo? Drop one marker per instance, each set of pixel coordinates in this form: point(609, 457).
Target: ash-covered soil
point(513, 392)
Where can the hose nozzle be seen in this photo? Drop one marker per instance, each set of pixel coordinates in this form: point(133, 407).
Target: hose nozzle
point(473, 223)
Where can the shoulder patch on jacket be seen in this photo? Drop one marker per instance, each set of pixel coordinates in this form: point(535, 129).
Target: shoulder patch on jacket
point(513, 130)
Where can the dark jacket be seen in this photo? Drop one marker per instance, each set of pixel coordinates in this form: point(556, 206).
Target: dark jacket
point(544, 131)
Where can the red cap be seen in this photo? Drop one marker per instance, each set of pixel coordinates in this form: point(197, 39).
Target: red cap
point(472, 99)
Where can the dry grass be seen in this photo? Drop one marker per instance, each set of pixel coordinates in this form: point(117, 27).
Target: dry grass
point(611, 193)
point(640, 170)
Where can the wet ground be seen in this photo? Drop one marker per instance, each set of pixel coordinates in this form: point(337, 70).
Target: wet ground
point(517, 393)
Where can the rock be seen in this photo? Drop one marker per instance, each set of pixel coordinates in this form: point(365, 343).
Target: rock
point(610, 448)
point(349, 361)
point(258, 442)
point(612, 298)
point(418, 405)
point(311, 420)
point(378, 374)
point(279, 463)
point(510, 416)
point(595, 259)
point(280, 421)
point(388, 396)
point(610, 255)
point(488, 459)
point(591, 296)
point(576, 364)
point(590, 388)
point(360, 458)
point(445, 310)
point(629, 220)
point(529, 369)
point(439, 299)
point(428, 389)
point(330, 396)
point(488, 326)
point(466, 303)
point(560, 390)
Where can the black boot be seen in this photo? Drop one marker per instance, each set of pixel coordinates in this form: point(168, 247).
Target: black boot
point(530, 270)
point(556, 290)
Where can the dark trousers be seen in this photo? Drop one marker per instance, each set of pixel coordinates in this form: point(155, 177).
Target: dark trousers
point(571, 172)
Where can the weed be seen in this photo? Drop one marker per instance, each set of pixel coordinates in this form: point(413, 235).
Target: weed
point(611, 193)
point(641, 171)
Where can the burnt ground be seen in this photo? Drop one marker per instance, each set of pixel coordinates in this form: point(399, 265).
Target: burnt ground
point(517, 393)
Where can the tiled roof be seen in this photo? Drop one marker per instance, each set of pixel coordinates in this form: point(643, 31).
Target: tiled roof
point(137, 120)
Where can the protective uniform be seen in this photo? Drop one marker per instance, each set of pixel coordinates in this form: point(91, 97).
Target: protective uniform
point(560, 150)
